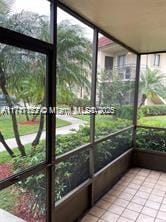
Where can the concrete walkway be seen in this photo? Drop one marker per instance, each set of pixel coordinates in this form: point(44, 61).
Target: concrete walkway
point(26, 139)
point(8, 217)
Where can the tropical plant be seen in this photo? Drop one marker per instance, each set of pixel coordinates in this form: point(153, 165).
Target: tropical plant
point(73, 61)
point(112, 89)
point(151, 85)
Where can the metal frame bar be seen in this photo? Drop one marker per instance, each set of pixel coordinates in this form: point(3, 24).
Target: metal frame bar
point(22, 175)
point(155, 52)
point(92, 115)
point(151, 127)
point(87, 146)
point(25, 42)
point(136, 93)
point(51, 117)
point(15, 39)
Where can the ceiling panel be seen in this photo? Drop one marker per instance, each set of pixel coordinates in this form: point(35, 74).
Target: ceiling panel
point(140, 24)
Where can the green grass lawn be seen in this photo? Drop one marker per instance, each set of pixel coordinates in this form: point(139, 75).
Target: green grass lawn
point(8, 198)
point(105, 119)
point(7, 130)
point(156, 121)
point(5, 157)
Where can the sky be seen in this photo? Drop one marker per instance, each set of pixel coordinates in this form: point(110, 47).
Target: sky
point(42, 7)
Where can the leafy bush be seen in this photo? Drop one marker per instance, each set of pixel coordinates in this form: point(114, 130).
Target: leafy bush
point(110, 149)
point(124, 112)
point(154, 110)
point(151, 139)
point(74, 170)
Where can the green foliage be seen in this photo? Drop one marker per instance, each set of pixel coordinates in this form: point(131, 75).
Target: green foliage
point(110, 149)
point(113, 91)
point(73, 62)
point(8, 196)
point(124, 112)
point(151, 85)
point(24, 129)
point(150, 139)
point(153, 110)
point(153, 121)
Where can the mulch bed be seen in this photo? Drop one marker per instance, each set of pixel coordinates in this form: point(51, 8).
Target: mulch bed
point(5, 170)
point(30, 122)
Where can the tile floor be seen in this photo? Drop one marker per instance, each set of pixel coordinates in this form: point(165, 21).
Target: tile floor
point(139, 196)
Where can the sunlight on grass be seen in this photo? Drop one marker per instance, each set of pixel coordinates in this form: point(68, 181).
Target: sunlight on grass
point(156, 121)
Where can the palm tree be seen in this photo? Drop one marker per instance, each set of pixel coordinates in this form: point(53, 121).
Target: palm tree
point(3, 75)
point(22, 72)
point(73, 60)
point(151, 85)
point(5, 6)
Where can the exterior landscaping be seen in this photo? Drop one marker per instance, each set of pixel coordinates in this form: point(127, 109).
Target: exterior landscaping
point(25, 127)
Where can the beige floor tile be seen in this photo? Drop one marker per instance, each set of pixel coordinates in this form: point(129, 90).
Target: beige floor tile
point(119, 187)
point(121, 202)
point(138, 200)
point(114, 192)
point(109, 198)
point(123, 219)
point(142, 194)
point(159, 220)
point(149, 211)
point(130, 191)
point(89, 218)
point(135, 207)
point(145, 218)
point(145, 189)
point(103, 204)
point(158, 192)
point(161, 215)
point(151, 180)
point(96, 211)
point(164, 200)
point(163, 207)
point(116, 209)
point(139, 196)
point(126, 196)
point(150, 185)
point(160, 187)
point(152, 204)
point(132, 215)
point(110, 217)
point(134, 186)
point(155, 198)
point(140, 178)
point(138, 182)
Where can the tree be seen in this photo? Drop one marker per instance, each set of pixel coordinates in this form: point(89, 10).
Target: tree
point(21, 70)
point(73, 61)
point(112, 89)
point(151, 85)
point(5, 6)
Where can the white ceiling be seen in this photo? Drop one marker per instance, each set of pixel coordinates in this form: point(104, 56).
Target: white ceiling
point(140, 24)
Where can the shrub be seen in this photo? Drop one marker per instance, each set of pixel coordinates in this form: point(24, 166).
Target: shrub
point(151, 139)
point(124, 112)
point(153, 110)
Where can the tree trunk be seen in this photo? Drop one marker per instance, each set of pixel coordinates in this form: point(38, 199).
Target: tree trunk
point(40, 130)
point(35, 117)
point(2, 140)
point(144, 97)
point(26, 111)
point(12, 113)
